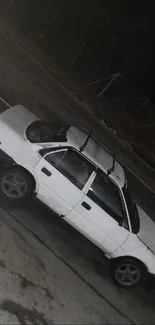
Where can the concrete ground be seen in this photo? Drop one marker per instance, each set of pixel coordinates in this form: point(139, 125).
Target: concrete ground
point(48, 272)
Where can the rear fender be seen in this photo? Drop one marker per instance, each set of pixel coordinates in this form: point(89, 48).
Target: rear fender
point(5, 160)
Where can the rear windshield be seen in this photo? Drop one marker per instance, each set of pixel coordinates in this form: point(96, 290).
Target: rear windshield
point(42, 131)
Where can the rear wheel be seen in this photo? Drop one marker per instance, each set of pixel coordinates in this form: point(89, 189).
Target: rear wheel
point(127, 272)
point(16, 184)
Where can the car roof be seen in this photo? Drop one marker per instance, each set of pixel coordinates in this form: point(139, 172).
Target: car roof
point(18, 118)
point(96, 153)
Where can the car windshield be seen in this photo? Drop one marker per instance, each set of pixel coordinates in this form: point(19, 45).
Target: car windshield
point(42, 131)
point(132, 209)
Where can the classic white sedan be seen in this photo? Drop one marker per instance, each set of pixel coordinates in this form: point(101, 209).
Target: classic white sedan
point(74, 176)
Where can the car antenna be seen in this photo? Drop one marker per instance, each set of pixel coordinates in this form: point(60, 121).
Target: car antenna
point(85, 143)
point(110, 170)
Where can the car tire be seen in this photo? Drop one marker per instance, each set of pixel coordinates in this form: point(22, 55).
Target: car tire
point(16, 184)
point(127, 272)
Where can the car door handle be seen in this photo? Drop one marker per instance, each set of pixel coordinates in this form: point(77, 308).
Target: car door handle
point(86, 206)
point(46, 171)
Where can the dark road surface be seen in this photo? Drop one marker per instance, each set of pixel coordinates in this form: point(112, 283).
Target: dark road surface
point(83, 258)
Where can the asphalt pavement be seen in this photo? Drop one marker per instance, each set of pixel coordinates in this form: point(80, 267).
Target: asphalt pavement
point(64, 258)
point(38, 287)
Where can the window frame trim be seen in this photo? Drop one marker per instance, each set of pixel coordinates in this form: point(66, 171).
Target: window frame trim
point(66, 148)
point(126, 208)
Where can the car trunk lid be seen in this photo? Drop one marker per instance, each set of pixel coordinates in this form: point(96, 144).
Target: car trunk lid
point(18, 118)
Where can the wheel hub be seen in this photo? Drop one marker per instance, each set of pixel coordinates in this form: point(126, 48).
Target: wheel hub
point(127, 274)
point(14, 185)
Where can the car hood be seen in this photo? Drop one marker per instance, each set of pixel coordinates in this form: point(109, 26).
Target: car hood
point(18, 118)
point(147, 230)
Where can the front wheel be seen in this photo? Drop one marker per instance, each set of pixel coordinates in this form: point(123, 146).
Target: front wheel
point(127, 272)
point(16, 184)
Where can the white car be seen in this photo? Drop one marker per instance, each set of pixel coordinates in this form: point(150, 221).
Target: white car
point(74, 176)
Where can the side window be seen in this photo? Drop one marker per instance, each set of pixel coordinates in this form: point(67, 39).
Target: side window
point(72, 165)
point(55, 158)
point(106, 194)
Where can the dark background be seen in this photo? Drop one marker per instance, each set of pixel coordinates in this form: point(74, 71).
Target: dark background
point(92, 40)
point(110, 35)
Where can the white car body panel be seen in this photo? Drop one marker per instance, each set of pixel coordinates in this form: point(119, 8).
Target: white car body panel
point(57, 192)
point(65, 198)
point(17, 119)
point(18, 149)
point(134, 247)
point(113, 235)
point(97, 225)
point(93, 233)
point(147, 230)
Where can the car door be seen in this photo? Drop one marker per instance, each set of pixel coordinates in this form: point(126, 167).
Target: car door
point(101, 215)
point(60, 185)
